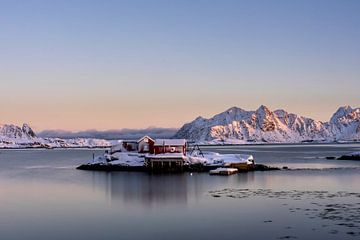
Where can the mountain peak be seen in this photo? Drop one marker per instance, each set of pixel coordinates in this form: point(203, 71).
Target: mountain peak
point(263, 111)
point(15, 132)
point(346, 109)
point(234, 110)
point(263, 108)
point(199, 118)
point(341, 112)
point(27, 130)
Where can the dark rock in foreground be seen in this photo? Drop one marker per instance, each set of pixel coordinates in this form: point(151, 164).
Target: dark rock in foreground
point(261, 167)
point(349, 157)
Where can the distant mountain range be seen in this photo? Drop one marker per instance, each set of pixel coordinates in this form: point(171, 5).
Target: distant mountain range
point(124, 133)
point(12, 136)
point(234, 126)
point(237, 125)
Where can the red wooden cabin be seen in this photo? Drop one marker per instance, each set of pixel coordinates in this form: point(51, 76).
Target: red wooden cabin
point(162, 146)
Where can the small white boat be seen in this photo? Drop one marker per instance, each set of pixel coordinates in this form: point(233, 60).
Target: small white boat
point(223, 171)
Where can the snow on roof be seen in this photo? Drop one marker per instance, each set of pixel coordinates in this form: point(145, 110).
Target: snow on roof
point(146, 136)
point(170, 142)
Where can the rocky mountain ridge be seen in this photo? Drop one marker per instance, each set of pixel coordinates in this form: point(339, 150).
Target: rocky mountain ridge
point(237, 125)
point(234, 126)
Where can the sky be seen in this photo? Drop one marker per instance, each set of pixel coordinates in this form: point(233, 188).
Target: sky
point(86, 64)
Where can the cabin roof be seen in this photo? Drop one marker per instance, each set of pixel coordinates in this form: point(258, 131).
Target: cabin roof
point(146, 136)
point(170, 142)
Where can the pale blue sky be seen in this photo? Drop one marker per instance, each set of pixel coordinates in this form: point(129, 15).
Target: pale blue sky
point(131, 64)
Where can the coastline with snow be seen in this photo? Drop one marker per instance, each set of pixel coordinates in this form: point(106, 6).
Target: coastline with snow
point(234, 126)
point(49, 143)
point(55, 143)
point(192, 161)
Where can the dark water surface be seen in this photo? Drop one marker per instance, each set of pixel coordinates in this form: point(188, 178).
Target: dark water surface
point(42, 196)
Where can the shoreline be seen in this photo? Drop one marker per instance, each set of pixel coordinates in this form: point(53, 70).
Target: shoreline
point(53, 148)
point(200, 145)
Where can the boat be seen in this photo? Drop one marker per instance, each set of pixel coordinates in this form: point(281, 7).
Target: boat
point(223, 171)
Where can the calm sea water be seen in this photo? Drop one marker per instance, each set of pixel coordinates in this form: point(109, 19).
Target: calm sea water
point(42, 196)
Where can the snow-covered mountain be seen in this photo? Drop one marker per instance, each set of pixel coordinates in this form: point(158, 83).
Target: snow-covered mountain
point(345, 124)
point(12, 136)
point(237, 125)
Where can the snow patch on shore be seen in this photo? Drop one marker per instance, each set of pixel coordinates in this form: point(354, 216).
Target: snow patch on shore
point(208, 158)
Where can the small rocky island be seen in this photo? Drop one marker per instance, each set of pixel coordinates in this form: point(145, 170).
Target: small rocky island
point(168, 155)
point(350, 156)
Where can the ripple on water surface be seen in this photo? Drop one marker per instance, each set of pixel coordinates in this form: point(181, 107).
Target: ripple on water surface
point(339, 209)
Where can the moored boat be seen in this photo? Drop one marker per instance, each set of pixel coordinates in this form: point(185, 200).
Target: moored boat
point(223, 171)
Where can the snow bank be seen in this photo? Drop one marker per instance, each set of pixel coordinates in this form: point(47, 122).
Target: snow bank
point(216, 159)
point(127, 159)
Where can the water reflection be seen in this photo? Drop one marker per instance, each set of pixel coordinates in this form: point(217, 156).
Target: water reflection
point(149, 190)
point(141, 188)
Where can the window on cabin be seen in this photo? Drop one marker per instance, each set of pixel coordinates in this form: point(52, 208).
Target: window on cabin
point(146, 147)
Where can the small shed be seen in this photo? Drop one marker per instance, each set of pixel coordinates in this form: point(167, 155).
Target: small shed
point(130, 145)
point(117, 147)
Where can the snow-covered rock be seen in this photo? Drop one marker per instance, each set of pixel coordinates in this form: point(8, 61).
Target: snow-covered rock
point(350, 156)
point(134, 159)
point(217, 159)
point(237, 125)
point(127, 159)
point(354, 154)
